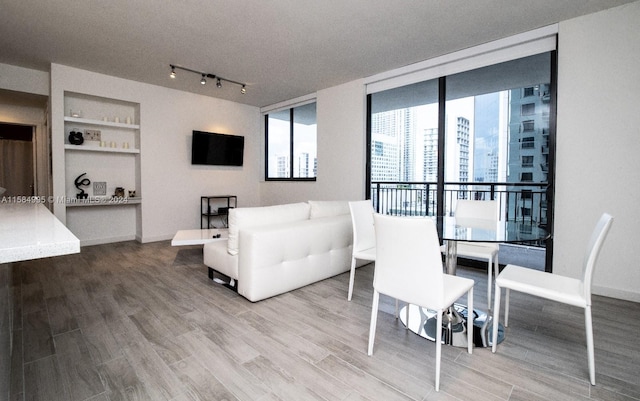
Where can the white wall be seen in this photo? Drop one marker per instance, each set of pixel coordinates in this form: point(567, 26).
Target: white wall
point(341, 118)
point(170, 186)
point(26, 80)
point(598, 146)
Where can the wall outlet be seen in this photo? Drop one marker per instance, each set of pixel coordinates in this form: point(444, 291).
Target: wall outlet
point(92, 135)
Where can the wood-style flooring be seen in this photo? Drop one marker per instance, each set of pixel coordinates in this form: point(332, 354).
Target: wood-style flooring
point(132, 321)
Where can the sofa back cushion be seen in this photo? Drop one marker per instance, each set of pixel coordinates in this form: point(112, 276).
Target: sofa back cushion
point(245, 217)
point(328, 208)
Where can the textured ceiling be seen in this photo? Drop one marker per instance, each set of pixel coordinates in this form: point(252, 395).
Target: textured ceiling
point(282, 49)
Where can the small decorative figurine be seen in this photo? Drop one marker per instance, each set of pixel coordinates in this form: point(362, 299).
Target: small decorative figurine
point(82, 182)
point(76, 138)
point(119, 193)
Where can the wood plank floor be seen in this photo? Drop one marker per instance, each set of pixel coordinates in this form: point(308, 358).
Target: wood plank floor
point(132, 321)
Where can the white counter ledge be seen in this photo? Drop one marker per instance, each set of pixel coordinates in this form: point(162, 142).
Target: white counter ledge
point(31, 231)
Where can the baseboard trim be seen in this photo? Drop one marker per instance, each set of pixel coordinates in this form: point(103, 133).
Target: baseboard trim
point(100, 241)
point(616, 293)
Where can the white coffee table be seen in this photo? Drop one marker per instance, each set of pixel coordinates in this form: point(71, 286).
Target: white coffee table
point(199, 237)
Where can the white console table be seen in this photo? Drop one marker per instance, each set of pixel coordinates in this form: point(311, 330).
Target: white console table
point(31, 231)
point(199, 237)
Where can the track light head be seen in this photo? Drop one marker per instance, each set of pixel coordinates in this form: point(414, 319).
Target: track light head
point(203, 81)
point(243, 90)
point(218, 83)
point(173, 72)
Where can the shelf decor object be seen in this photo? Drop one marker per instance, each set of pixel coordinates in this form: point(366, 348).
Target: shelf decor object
point(84, 182)
point(99, 188)
point(76, 138)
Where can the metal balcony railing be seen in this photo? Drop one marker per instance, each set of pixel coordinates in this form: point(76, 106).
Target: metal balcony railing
point(517, 201)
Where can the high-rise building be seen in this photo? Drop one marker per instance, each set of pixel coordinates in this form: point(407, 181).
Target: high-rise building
point(388, 146)
point(529, 146)
point(304, 165)
point(430, 155)
point(462, 141)
point(282, 170)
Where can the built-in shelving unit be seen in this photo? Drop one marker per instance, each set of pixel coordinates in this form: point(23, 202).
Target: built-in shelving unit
point(109, 158)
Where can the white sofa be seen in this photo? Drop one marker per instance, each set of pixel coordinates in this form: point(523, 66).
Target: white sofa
point(275, 249)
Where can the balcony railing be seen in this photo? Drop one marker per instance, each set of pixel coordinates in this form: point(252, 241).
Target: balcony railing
point(517, 201)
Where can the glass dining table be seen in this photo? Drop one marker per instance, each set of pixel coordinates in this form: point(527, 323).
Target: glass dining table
point(422, 321)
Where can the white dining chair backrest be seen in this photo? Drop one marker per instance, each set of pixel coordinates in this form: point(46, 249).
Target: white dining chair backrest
point(593, 250)
point(484, 215)
point(409, 267)
point(485, 210)
point(362, 219)
point(408, 248)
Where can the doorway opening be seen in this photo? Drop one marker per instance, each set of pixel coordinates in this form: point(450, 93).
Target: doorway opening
point(17, 161)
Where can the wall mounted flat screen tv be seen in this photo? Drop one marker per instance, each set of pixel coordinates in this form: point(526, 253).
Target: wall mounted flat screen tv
point(209, 148)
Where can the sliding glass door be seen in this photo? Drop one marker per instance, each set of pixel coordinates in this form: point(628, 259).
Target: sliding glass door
point(497, 136)
point(482, 134)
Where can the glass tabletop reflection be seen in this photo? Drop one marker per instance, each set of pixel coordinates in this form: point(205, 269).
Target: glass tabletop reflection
point(479, 230)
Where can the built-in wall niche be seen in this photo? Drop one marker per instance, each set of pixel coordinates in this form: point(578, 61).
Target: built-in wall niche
point(116, 169)
point(99, 109)
point(109, 154)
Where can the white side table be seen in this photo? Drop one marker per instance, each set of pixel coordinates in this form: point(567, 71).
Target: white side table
point(199, 237)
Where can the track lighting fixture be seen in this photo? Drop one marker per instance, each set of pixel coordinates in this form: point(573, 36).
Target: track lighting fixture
point(204, 76)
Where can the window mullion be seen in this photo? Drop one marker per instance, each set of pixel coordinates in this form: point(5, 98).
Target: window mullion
point(291, 143)
point(266, 146)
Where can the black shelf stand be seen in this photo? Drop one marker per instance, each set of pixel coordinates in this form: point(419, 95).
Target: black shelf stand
point(216, 207)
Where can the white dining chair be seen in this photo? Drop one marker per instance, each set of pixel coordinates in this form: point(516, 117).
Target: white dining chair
point(567, 290)
point(364, 241)
point(482, 212)
point(409, 267)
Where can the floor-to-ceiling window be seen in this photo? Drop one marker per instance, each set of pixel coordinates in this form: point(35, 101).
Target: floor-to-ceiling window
point(486, 133)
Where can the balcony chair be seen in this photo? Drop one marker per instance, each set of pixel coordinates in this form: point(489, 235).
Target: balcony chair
point(409, 268)
point(364, 240)
point(487, 212)
point(571, 291)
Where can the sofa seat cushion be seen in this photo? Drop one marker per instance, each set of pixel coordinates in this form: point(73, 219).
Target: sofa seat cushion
point(215, 256)
point(249, 217)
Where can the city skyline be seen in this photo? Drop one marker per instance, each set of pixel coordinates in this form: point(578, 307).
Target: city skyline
point(495, 137)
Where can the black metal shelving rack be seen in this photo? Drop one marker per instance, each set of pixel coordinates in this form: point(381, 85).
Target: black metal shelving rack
point(216, 207)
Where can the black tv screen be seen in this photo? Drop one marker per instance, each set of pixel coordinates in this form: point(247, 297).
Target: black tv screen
point(208, 148)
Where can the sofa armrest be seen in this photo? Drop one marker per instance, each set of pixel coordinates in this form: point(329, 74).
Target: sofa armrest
point(215, 256)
